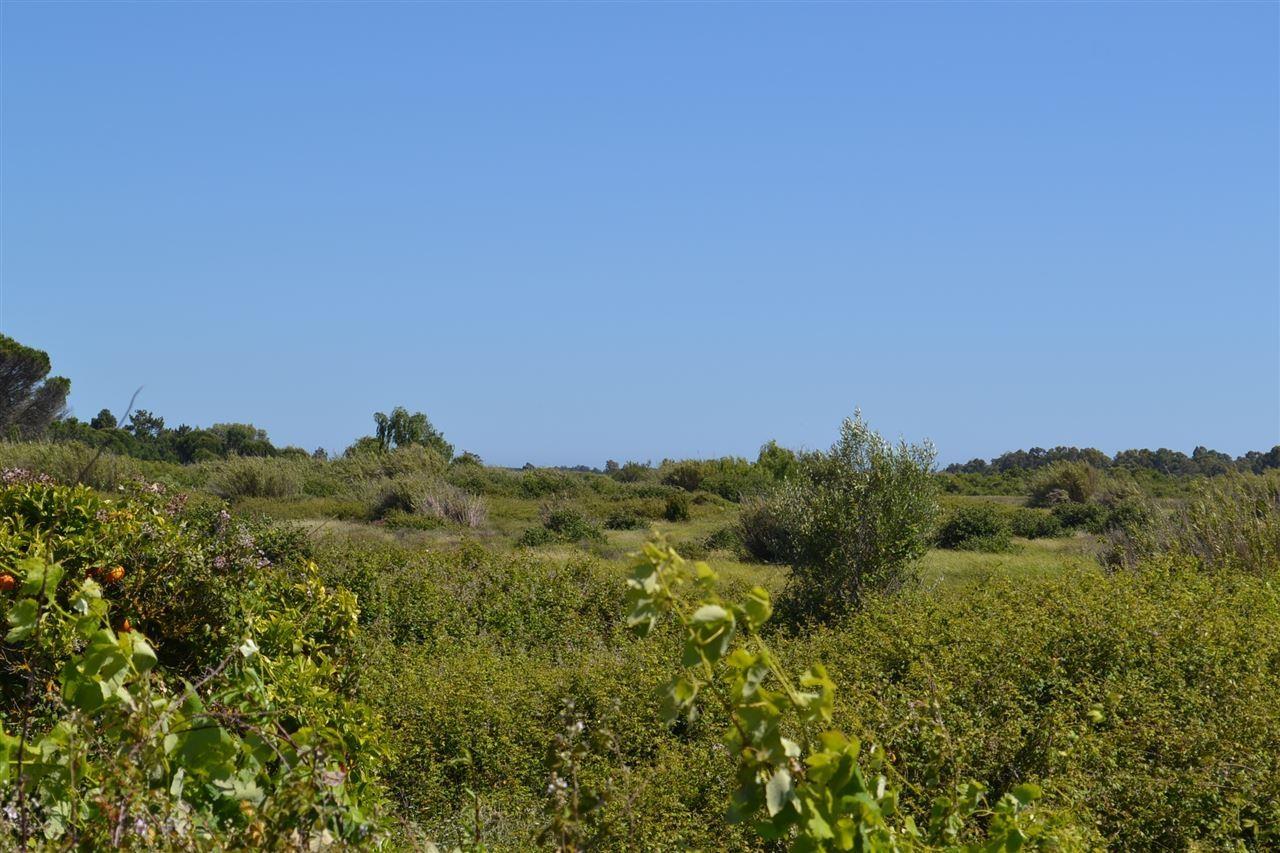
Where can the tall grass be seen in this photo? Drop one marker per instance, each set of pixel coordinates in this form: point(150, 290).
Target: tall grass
point(1229, 524)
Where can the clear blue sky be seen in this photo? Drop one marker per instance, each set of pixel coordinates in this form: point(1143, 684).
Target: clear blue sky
point(575, 232)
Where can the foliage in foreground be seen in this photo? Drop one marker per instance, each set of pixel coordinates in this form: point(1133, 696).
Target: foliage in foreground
point(102, 744)
point(812, 794)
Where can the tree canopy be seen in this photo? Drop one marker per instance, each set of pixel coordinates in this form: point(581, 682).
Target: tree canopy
point(30, 399)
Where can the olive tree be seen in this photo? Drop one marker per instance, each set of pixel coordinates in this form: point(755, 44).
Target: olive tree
point(858, 518)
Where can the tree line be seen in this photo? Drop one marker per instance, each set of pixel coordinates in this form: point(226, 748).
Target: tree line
point(33, 406)
point(1202, 461)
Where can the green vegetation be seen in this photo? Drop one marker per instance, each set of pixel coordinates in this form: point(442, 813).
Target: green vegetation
point(401, 647)
point(165, 684)
point(976, 527)
point(32, 399)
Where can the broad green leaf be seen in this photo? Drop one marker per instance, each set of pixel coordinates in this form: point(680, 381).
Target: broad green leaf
point(40, 577)
point(141, 653)
point(1027, 793)
point(22, 616)
point(779, 791)
point(757, 608)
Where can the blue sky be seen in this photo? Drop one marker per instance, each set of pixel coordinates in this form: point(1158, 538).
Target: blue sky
point(576, 232)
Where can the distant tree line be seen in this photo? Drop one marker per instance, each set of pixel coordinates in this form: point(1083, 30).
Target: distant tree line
point(1202, 461)
point(33, 406)
point(145, 436)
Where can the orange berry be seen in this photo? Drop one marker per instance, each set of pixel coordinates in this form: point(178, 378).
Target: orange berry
point(115, 575)
point(7, 582)
point(126, 626)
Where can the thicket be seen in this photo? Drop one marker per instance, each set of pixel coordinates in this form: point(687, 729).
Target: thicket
point(165, 684)
point(976, 527)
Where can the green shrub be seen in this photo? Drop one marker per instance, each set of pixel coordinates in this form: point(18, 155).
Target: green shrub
point(830, 793)
point(542, 483)
point(72, 463)
point(430, 498)
point(734, 478)
point(562, 524)
point(176, 572)
point(1034, 523)
point(623, 521)
point(1143, 703)
point(677, 508)
point(535, 536)
point(860, 516)
point(975, 527)
point(727, 538)
point(685, 475)
point(633, 472)
point(1078, 516)
point(765, 529)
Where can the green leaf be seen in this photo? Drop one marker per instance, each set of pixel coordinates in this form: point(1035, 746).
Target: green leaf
point(712, 628)
point(1027, 793)
point(779, 791)
point(678, 698)
point(142, 655)
point(40, 577)
point(757, 608)
point(22, 616)
point(206, 746)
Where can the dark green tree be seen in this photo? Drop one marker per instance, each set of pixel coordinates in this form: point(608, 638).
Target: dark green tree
point(145, 425)
point(30, 399)
point(104, 420)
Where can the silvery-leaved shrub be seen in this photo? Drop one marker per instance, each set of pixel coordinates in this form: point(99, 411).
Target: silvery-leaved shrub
point(860, 516)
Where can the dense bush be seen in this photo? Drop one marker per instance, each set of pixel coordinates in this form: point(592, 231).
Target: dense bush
point(562, 524)
point(623, 520)
point(859, 517)
point(543, 482)
point(631, 472)
point(764, 528)
point(975, 527)
point(677, 508)
point(176, 572)
point(164, 687)
point(831, 794)
point(726, 538)
point(1034, 523)
point(474, 659)
point(685, 475)
point(1145, 703)
point(429, 498)
point(72, 464)
point(1078, 516)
